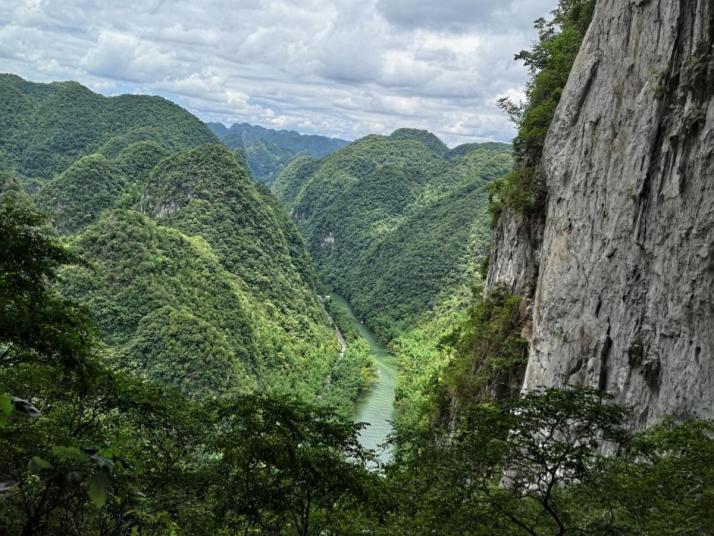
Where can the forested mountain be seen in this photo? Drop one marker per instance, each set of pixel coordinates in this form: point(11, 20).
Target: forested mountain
point(196, 276)
point(394, 222)
point(167, 367)
point(46, 127)
point(268, 151)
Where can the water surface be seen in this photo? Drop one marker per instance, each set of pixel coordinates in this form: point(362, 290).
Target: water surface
point(376, 406)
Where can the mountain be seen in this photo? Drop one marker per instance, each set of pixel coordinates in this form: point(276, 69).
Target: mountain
point(268, 151)
point(196, 276)
point(205, 192)
point(167, 368)
point(430, 140)
point(48, 126)
point(390, 221)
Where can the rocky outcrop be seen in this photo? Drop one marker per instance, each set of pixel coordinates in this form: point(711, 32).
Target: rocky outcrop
point(621, 278)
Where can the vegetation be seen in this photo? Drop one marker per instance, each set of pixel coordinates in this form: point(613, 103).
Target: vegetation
point(432, 142)
point(49, 126)
point(288, 184)
point(77, 197)
point(533, 466)
point(269, 151)
point(145, 279)
point(197, 279)
point(393, 222)
point(91, 450)
point(549, 62)
point(166, 367)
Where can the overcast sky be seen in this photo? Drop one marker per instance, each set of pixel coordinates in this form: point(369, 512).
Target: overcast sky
point(337, 67)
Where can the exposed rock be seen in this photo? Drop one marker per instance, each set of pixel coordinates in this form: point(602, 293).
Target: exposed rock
point(621, 279)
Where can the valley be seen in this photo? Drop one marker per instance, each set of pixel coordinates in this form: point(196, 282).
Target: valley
point(221, 330)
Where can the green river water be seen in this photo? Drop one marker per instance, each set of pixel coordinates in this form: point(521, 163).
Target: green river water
point(376, 406)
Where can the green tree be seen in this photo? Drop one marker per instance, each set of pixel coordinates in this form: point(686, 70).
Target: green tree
point(36, 323)
point(287, 467)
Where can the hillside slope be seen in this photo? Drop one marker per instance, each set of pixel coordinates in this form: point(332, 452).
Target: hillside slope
point(48, 126)
point(389, 221)
point(195, 274)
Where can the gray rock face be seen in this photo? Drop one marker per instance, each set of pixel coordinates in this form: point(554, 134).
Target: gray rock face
point(622, 280)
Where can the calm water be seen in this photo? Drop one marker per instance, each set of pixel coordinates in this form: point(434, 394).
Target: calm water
point(376, 407)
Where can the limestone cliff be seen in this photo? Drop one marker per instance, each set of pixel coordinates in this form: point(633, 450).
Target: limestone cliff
point(619, 270)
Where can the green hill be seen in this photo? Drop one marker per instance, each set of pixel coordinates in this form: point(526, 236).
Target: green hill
point(392, 222)
point(195, 274)
point(48, 126)
point(76, 197)
point(204, 191)
point(145, 280)
point(437, 146)
point(291, 180)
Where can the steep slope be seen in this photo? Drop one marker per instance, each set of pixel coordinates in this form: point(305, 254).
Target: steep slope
point(48, 126)
point(93, 183)
point(361, 208)
point(619, 273)
point(165, 304)
point(291, 180)
point(424, 259)
point(206, 192)
point(269, 151)
point(266, 160)
point(138, 159)
point(76, 197)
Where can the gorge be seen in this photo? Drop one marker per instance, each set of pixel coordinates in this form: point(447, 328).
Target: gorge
point(212, 330)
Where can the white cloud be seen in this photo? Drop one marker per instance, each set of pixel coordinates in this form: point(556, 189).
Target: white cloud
point(336, 67)
point(125, 57)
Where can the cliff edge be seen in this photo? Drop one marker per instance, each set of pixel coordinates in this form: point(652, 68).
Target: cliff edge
point(619, 269)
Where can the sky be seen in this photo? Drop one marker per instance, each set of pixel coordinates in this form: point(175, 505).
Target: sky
point(342, 68)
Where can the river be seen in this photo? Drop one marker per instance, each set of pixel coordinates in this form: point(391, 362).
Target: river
point(376, 406)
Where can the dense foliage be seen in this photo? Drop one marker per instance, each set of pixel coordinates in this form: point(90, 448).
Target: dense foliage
point(534, 466)
point(393, 222)
point(166, 367)
point(269, 151)
point(48, 126)
point(549, 62)
point(288, 184)
point(90, 450)
point(77, 197)
point(195, 275)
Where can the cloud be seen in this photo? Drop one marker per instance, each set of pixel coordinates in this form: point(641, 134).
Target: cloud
point(449, 14)
point(338, 67)
point(463, 15)
point(125, 57)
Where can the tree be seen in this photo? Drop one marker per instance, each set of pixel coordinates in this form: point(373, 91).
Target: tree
point(36, 323)
point(288, 467)
point(507, 467)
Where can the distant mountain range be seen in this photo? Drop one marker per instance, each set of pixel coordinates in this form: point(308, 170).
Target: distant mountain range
point(268, 151)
